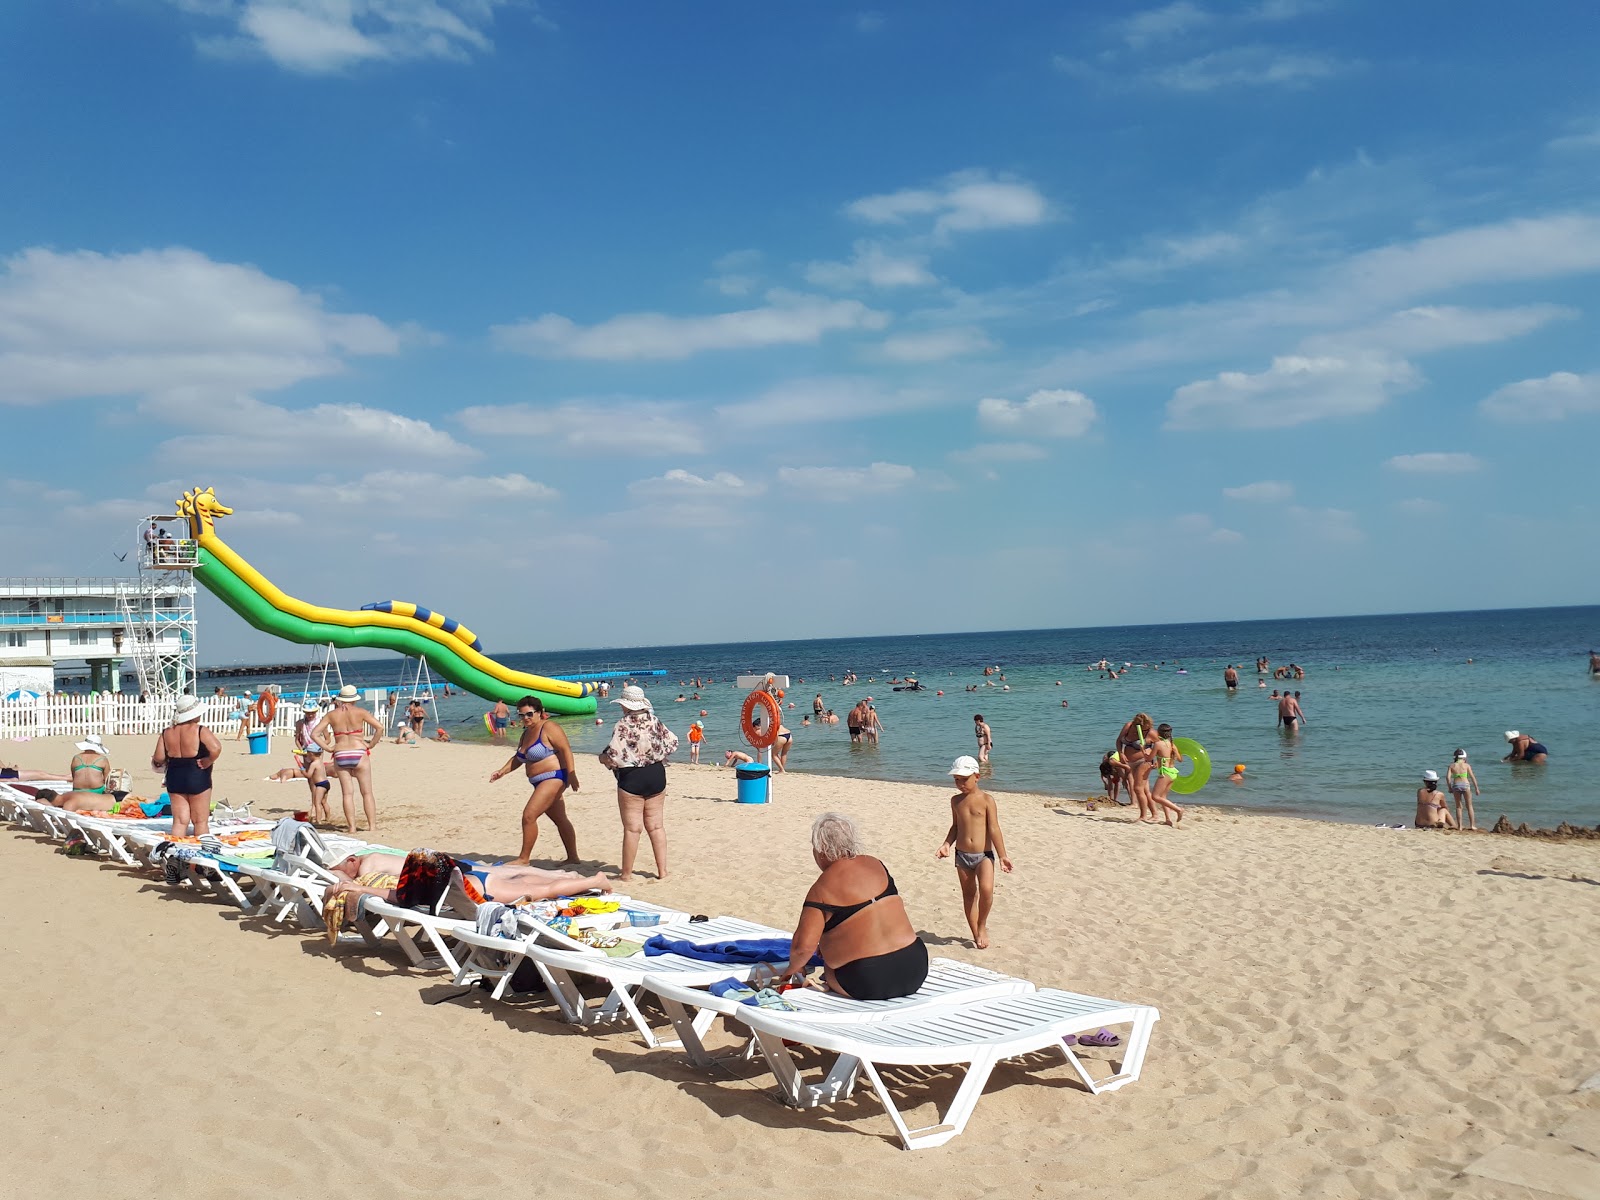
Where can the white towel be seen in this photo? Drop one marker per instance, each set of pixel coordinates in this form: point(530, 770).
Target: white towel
point(497, 920)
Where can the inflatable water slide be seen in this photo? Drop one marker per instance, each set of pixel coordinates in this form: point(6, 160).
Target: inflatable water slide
point(450, 648)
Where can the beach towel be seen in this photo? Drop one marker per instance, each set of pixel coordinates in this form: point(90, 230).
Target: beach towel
point(738, 950)
point(286, 835)
point(335, 907)
point(497, 920)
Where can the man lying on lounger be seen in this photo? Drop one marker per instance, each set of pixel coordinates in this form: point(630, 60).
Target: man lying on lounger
point(497, 881)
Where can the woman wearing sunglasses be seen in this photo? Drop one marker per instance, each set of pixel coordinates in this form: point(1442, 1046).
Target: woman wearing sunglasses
point(545, 754)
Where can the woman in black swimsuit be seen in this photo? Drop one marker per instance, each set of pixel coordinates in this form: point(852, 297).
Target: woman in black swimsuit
point(854, 916)
point(186, 751)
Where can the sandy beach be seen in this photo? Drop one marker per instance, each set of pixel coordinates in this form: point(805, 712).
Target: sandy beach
point(1347, 1011)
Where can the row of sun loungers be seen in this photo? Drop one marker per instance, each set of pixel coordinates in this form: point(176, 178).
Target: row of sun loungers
point(963, 1016)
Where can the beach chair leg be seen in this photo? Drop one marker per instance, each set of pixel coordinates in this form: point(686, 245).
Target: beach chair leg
point(690, 1030)
point(441, 943)
point(955, 1117)
point(840, 1081)
point(1133, 1060)
point(791, 1087)
point(626, 997)
point(564, 992)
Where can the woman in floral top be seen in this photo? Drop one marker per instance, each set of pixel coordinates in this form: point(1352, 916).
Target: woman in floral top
point(637, 755)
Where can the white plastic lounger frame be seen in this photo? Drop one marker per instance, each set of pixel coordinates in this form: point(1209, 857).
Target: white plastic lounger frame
point(558, 959)
point(455, 913)
point(497, 958)
point(977, 1035)
point(948, 981)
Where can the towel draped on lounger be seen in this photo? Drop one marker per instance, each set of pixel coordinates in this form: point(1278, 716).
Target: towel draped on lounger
point(737, 950)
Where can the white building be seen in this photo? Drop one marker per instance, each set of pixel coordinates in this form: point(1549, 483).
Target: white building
point(91, 626)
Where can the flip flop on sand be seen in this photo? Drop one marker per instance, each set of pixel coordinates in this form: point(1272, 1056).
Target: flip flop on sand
point(1103, 1038)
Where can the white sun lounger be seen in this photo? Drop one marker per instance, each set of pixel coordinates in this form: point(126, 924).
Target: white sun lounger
point(560, 960)
point(948, 981)
point(456, 911)
point(976, 1035)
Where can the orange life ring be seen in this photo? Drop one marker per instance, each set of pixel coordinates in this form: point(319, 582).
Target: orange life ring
point(761, 739)
point(266, 707)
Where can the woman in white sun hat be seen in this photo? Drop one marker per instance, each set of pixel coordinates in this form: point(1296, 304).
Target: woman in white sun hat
point(91, 778)
point(185, 751)
point(637, 755)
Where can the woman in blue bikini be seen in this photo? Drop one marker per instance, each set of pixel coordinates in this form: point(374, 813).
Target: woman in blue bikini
point(545, 754)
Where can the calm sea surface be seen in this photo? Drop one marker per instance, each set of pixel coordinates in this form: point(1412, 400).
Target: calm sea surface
point(1385, 697)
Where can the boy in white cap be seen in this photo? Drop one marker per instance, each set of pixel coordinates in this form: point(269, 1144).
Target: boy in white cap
point(977, 841)
point(1432, 810)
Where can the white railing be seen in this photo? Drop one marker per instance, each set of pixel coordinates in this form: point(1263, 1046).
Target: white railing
point(54, 716)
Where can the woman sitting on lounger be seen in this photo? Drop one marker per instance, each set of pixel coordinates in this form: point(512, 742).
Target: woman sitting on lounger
point(505, 882)
point(854, 916)
point(91, 779)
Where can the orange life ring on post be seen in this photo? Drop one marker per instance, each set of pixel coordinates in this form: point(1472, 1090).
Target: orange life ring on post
point(761, 739)
point(266, 707)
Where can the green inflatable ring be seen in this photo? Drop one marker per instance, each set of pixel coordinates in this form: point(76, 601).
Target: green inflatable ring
point(1187, 785)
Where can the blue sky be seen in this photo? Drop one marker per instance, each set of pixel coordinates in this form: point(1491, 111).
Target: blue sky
point(634, 323)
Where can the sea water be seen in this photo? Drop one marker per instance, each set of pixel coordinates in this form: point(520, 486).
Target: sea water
point(1385, 698)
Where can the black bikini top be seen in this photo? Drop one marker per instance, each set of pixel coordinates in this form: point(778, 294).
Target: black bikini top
point(838, 914)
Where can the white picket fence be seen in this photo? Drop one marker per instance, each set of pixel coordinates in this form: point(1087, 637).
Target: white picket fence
point(107, 714)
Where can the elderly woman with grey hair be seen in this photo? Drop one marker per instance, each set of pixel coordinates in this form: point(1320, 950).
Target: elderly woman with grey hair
point(854, 917)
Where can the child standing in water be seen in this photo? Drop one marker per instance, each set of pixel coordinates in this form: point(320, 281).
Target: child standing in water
point(697, 734)
point(978, 843)
point(1168, 757)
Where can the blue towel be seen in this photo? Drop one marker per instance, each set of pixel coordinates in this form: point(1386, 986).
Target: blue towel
point(739, 950)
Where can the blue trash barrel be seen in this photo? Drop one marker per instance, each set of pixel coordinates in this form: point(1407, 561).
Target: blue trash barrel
point(258, 741)
point(754, 784)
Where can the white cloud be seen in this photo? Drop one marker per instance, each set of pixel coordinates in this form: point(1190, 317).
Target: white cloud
point(322, 36)
point(820, 400)
point(1159, 24)
point(847, 483)
point(1428, 329)
point(994, 452)
point(243, 429)
point(1435, 462)
point(787, 320)
point(1328, 524)
point(872, 266)
point(1165, 254)
point(682, 500)
point(1583, 135)
point(1553, 398)
point(1200, 527)
point(86, 324)
point(1268, 491)
point(935, 345)
point(1248, 66)
point(1294, 390)
point(963, 202)
point(869, 22)
point(631, 427)
point(1419, 506)
point(737, 273)
point(1058, 412)
point(680, 484)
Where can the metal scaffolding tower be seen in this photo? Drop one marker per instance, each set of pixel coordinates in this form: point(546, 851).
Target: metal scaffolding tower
point(159, 607)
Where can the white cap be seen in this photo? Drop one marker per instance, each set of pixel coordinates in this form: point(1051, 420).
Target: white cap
point(1512, 735)
point(965, 765)
point(1430, 777)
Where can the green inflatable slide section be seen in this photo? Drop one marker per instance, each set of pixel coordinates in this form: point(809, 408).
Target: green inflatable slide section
point(260, 614)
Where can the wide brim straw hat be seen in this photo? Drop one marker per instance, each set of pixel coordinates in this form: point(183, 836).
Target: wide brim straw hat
point(189, 709)
point(634, 700)
point(348, 693)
